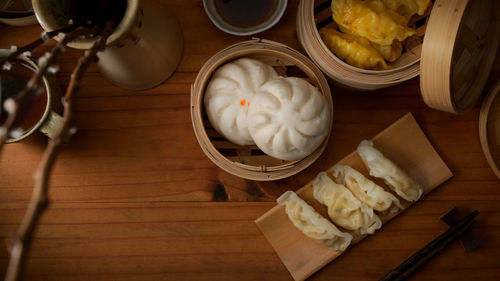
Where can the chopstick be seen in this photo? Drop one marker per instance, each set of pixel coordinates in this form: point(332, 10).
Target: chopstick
point(405, 269)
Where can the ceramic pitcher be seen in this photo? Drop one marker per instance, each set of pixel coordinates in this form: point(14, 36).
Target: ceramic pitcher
point(143, 50)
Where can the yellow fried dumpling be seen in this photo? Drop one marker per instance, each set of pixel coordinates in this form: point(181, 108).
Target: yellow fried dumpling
point(372, 20)
point(407, 8)
point(388, 52)
point(355, 50)
point(391, 52)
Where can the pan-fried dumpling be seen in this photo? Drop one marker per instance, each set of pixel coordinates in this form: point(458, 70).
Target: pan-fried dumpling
point(372, 20)
point(312, 224)
point(388, 52)
point(381, 167)
point(355, 50)
point(343, 208)
point(364, 189)
point(229, 94)
point(408, 8)
point(289, 118)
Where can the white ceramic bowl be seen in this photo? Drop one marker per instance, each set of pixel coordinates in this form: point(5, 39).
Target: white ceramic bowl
point(214, 16)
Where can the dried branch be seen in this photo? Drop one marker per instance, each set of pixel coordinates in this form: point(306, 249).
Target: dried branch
point(13, 104)
point(40, 200)
point(31, 46)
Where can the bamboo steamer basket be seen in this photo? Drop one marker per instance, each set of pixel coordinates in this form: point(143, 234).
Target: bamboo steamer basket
point(458, 53)
point(250, 162)
point(405, 68)
point(489, 128)
point(459, 41)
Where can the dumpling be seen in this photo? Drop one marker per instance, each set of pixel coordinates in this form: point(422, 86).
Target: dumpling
point(289, 118)
point(372, 20)
point(407, 8)
point(343, 208)
point(312, 224)
point(355, 50)
point(390, 52)
point(381, 167)
point(364, 189)
point(230, 92)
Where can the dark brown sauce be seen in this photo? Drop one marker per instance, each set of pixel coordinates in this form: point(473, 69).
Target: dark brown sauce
point(245, 13)
point(11, 83)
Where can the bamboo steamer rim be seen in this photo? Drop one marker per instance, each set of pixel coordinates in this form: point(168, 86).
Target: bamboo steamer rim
point(444, 59)
point(338, 70)
point(353, 68)
point(249, 48)
point(492, 99)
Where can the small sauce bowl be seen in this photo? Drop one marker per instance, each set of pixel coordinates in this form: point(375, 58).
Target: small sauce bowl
point(215, 16)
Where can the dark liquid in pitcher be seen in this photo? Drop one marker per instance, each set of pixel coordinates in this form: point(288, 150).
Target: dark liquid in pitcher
point(11, 83)
point(95, 12)
point(245, 13)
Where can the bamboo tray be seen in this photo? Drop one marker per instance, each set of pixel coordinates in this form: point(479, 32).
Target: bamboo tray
point(250, 162)
point(405, 144)
point(489, 128)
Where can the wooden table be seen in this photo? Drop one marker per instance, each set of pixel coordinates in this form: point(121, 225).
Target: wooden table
point(135, 198)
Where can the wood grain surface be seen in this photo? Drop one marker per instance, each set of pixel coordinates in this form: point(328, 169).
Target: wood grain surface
point(135, 198)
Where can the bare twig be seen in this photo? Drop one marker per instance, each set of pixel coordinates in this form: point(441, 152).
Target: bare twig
point(39, 200)
point(31, 46)
point(13, 104)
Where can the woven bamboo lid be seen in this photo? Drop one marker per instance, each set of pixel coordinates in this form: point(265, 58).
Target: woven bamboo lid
point(249, 161)
point(489, 128)
point(458, 52)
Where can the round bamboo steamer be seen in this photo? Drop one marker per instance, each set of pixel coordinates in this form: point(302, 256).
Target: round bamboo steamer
point(250, 162)
point(458, 52)
point(405, 68)
point(489, 128)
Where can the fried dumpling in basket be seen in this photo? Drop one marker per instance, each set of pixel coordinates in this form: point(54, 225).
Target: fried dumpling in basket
point(364, 189)
point(391, 52)
point(381, 167)
point(408, 8)
point(355, 50)
point(371, 19)
point(343, 207)
point(312, 224)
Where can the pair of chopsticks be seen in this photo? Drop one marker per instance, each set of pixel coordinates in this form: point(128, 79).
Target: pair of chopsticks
point(405, 269)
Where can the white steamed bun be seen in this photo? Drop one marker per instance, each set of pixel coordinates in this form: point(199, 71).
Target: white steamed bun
point(289, 118)
point(230, 92)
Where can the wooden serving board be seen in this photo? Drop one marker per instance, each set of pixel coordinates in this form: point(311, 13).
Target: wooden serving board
point(404, 143)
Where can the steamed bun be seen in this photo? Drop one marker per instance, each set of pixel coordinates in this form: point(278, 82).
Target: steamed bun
point(289, 118)
point(230, 92)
